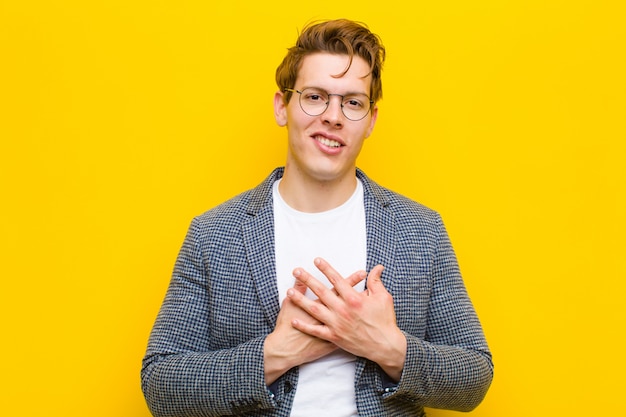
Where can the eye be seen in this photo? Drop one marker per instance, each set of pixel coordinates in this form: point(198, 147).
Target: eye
point(355, 103)
point(314, 96)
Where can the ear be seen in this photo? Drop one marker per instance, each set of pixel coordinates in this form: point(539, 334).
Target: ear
point(280, 109)
point(373, 118)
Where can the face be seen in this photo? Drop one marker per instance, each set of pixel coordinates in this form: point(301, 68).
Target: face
point(324, 148)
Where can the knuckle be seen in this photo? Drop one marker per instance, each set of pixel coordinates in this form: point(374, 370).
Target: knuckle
point(354, 301)
point(315, 309)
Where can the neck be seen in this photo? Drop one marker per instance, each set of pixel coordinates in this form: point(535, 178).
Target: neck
point(314, 196)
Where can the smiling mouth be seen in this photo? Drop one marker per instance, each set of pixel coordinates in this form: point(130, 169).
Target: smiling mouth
point(327, 142)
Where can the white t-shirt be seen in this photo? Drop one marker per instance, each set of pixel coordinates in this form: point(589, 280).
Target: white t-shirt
point(326, 386)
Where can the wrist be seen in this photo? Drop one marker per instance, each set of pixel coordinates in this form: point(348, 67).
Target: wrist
point(394, 356)
point(275, 362)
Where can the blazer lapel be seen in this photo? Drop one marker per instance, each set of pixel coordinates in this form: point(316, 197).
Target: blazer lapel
point(381, 240)
point(379, 224)
point(258, 237)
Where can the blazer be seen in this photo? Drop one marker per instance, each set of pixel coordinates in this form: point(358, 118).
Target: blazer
point(205, 352)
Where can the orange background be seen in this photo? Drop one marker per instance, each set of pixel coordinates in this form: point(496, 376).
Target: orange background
point(121, 120)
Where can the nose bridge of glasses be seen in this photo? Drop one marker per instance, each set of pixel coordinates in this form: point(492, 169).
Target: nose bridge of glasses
point(340, 101)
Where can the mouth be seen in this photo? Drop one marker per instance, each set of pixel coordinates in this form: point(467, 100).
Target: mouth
point(331, 143)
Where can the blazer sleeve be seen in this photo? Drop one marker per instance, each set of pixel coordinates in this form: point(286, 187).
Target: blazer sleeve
point(182, 375)
point(449, 366)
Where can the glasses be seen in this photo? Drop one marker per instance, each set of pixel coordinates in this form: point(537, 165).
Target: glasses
point(315, 101)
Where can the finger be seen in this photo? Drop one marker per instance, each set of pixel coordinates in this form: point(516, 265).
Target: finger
point(342, 286)
point(356, 277)
point(333, 276)
point(316, 330)
point(313, 308)
point(311, 282)
point(299, 286)
point(374, 282)
point(326, 269)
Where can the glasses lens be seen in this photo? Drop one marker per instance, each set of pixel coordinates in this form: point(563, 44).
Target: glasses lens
point(356, 106)
point(313, 101)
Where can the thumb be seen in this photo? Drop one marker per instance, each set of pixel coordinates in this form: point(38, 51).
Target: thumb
point(374, 283)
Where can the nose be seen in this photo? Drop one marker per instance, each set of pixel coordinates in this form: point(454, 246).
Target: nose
point(334, 113)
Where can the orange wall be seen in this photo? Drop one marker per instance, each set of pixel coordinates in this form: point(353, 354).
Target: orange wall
point(121, 120)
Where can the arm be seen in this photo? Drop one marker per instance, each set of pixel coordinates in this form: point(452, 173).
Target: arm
point(449, 366)
point(212, 351)
point(190, 369)
point(439, 359)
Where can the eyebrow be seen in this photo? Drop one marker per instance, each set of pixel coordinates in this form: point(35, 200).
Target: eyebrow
point(347, 94)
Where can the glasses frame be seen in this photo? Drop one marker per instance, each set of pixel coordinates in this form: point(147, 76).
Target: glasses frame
point(369, 109)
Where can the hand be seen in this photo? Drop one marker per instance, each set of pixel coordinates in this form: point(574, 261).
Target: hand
point(363, 324)
point(286, 346)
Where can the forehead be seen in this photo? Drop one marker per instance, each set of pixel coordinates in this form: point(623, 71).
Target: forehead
point(323, 70)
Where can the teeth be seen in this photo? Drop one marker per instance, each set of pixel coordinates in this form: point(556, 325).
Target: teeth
point(328, 142)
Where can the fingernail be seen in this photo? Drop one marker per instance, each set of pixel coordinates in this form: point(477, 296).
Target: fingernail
point(290, 293)
point(297, 272)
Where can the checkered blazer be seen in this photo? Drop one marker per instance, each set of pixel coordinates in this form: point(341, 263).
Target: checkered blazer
point(205, 353)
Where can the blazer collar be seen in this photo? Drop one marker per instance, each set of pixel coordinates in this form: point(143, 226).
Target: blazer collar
point(262, 194)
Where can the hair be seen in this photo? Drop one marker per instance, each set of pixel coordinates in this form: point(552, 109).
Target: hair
point(341, 37)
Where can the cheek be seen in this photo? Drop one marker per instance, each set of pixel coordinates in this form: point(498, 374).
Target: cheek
point(372, 122)
point(298, 122)
point(365, 131)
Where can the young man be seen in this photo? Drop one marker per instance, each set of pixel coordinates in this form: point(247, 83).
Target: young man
point(270, 311)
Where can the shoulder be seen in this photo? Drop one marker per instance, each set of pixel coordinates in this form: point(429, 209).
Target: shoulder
point(228, 211)
point(404, 210)
point(241, 207)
